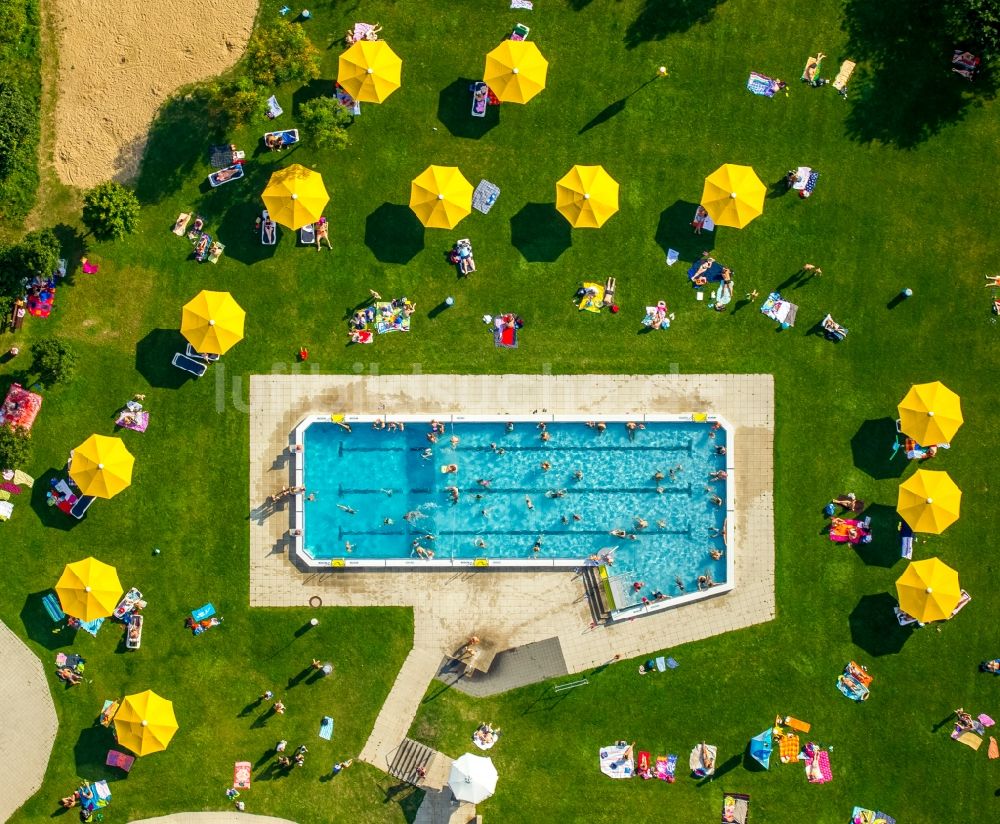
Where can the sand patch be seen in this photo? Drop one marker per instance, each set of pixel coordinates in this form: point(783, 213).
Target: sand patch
point(119, 60)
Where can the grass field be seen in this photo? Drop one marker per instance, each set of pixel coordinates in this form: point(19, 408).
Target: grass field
point(904, 199)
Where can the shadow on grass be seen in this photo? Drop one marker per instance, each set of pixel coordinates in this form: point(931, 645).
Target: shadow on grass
point(393, 233)
point(661, 18)
point(73, 246)
point(674, 231)
point(89, 752)
point(178, 139)
point(455, 111)
point(40, 627)
point(883, 551)
point(903, 91)
point(237, 231)
point(310, 91)
point(872, 450)
point(50, 516)
point(540, 233)
point(408, 797)
point(153, 355)
point(874, 627)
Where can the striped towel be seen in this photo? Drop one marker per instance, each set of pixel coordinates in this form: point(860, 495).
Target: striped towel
point(23, 478)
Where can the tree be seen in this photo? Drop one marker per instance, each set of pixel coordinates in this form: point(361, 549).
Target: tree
point(280, 52)
point(17, 125)
point(15, 447)
point(326, 122)
point(979, 22)
point(234, 103)
point(53, 361)
point(111, 210)
point(37, 255)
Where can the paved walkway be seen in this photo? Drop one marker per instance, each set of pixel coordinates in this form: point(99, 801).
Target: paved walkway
point(29, 725)
point(228, 817)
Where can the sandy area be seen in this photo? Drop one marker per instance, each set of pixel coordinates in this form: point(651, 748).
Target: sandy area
point(119, 60)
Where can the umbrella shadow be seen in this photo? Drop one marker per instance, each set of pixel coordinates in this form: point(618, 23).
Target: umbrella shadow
point(661, 18)
point(874, 627)
point(540, 233)
point(393, 233)
point(674, 231)
point(455, 111)
point(39, 625)
point(237, 230)
point(153, 354)
point(872, 449)
point(90, 751)
point(883, 551)
point(50, 516)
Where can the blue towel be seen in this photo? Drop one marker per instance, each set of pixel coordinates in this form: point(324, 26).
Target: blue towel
point(326, 728)
point(204, 612)
point(91, 626)
point(672, 663)
point(760, 84)
point(53, 607)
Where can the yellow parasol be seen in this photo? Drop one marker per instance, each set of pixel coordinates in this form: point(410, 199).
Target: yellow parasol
point(733, 195)
point(928, 590)
point(295, 196)
point(587, 196)
point(515, 71)
point(930, 413)
point(89, 589)
point(212, 322)
point(929, 501)
point(440, 197)
point(145, 723)
point(102, 466)
point(369, 71)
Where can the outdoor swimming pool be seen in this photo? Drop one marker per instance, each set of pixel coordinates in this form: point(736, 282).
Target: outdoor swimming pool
point(379, 493)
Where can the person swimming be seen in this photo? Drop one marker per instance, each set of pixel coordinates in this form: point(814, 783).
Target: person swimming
point(413, 514)
point(528, 503)
point(679, 583)
point(347, 509)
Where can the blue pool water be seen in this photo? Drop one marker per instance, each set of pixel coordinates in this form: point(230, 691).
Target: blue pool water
point(365, 482)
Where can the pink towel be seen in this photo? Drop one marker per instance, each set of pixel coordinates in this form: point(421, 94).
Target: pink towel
point(986, 721)
point(12, 488)
point(823, 762)
point(89, 268)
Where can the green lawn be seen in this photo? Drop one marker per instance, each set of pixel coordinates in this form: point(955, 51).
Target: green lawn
point(905, 200)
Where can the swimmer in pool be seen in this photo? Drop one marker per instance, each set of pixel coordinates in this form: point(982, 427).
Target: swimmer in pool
point(661, 524)
point(453, 491)
point(528, 503)
point(485, 482)
point(658, 475)
point(479, 542)
point(641, 523)
point(537, 547)
point(578, 475)
point(348, 546)
point(427, 454)
point(618, 533)
point(577, 517)
point(454, 441)
point(412, 515)
point(510, 426)
point(716, 554)
point(546, 466)
point(564, 519)
point(387, 522)
point(556, 493)
point(679, 583)
point(347, 509)
point(660, 490)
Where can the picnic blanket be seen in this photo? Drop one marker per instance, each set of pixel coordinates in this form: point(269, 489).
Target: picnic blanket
point(348, 102)
point(40, 305)
point(20, 408)
point(761, 84)
point(713, 272)
point(136, 421)
point(505, 337)
point(617, 761)
point(485, 196)
point(860, 815)
point(390, 318)
point(780, 310)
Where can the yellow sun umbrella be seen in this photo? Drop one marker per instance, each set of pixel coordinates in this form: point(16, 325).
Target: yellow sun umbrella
point(102, 466)
point(440, 197)
point(929, 501)
point(515, 71)
point(733, 195)
point(369, 71)
point(89, 589)
point(212, 322)
point(145, 722)
point(930, 413)
point(295, 196)
point(587, 196)
point(928, 590)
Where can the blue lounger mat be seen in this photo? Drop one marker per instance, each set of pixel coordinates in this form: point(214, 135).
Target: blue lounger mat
point(326, 728)
point(713, 273)
point(53, 607)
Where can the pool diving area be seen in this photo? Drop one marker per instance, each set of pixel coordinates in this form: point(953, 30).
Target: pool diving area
point(645, 501)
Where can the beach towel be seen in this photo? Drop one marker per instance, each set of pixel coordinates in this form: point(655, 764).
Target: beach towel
point(181, 224)
point(273, 109)
point(969, 738)
point(665, 767)
point(788, 748)
point(505, 338)
point(485, 196)
point(818, 771)
point(661, 664)
point(616, 761)
point(643, 766)
point(136, 421)
point(735, 808)
point(23, 478)
point(673, 256)
point(843, 76)
point(326, 728)
point(120, 760)
point(761, 84)
point(593, 300)
point(527, 5)
point(241, 775)
point(91, 626)
point(713, 272)
point(993, 751)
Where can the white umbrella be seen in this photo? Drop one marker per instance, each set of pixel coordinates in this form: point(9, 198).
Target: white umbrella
point(473, 778)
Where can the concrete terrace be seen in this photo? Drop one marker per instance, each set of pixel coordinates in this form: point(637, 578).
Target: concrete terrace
point(511, 608)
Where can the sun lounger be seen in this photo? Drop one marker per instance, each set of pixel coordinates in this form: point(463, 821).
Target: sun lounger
point(108, 713)
point(961, 603)
point(520, 32)
point(81, 505)
point(194, 367)
point(844, 76)
point(120, 760)
point(133, 631)
point(833, 330)
point(268, 230)
point(480, 98)
point(905, 539)
point(905, 619)
point(201, 247)
point(241, 775)
point(180, 225)
point(191, 352)
point(230, 173)
point(273, 109)
point(53, 607)
point(130, 600)
point(307, 234)
point(284, 138)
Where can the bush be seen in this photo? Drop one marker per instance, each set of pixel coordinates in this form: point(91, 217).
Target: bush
point(37, 255)
point(53, 361)
point(17, 126)
point(13, 19)
point(325, 121)
point(978, 21)
point(280, 52)
point(233, 103)
point(111, 210)
point(15, 447)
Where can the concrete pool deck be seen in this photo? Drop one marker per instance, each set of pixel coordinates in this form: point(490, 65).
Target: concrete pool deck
point(510, 607)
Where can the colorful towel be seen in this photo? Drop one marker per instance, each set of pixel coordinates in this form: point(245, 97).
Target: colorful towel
point(23, 478)
point(735, 808)
point(505, 338)
point(136, 421)
point(12, 488)
point(970, 739)
point(985, 720)
point(241, 775)
point(788, 748)
point(818, 772)
point(761, 84)
point(326, 728)
point(993, 751)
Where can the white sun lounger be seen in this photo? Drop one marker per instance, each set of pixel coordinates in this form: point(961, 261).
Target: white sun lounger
point(264, 227)
point(307, 234)
point(195, 367)
point(191, 352)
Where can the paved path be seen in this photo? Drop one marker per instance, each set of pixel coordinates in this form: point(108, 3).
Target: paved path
point(227, 817)
point(29, 725)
